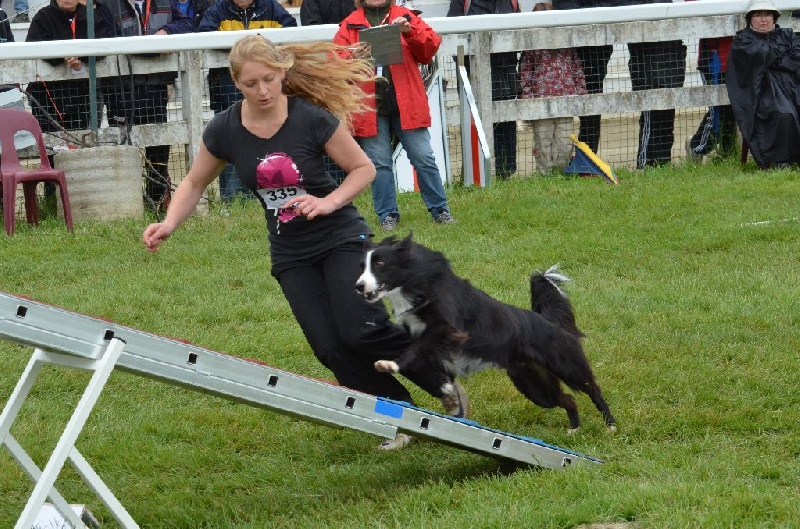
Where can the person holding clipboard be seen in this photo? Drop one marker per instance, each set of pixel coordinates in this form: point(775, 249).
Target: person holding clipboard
point(399, 41)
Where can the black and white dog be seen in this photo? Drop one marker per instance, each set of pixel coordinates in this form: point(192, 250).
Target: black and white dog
point(458, 329)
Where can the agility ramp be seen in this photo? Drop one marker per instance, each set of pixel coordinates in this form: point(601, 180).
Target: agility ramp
point(68, 339)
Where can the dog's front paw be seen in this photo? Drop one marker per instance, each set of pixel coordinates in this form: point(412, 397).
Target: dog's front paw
point(386, 366)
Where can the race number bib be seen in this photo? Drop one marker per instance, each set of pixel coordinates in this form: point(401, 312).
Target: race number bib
point(277, 197)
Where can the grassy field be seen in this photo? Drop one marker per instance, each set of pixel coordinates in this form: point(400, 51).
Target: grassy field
point(685, 281)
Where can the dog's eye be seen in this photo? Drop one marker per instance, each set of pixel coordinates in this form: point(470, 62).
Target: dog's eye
point(378, 263)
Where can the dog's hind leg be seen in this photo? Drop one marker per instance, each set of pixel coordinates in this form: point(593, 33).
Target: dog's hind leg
point(569, 363)
point(544, 389)
point(597, 397)
point(578, 375)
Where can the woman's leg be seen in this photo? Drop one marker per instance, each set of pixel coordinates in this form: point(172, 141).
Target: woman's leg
point(324, 307)
point(365, 328)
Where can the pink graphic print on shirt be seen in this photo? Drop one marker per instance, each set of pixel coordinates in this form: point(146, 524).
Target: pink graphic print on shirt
point(278, 170)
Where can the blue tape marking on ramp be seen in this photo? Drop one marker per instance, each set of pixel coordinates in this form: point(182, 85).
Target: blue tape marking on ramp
point(392, 408)
point(396, 406)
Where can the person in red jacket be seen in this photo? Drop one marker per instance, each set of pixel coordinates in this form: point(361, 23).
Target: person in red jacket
point(400, 107)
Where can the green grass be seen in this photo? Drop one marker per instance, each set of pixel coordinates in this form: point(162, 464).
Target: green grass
point(690, 309)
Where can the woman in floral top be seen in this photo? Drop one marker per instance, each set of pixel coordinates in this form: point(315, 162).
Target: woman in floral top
point(551, 73)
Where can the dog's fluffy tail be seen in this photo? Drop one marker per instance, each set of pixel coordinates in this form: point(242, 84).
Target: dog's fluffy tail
point(551, 302)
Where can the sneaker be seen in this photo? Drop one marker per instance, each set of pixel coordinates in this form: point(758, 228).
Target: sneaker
point(401, 440)
point(389, 223)
point(444, 218)
point(457, 402)
point(21, 18)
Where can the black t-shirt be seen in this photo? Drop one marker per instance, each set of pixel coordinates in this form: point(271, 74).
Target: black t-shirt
point(296, 150)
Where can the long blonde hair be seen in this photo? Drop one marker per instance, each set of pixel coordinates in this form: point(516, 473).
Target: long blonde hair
point(321, 72)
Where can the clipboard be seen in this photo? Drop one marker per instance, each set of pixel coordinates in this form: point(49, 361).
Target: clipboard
point(385, 43)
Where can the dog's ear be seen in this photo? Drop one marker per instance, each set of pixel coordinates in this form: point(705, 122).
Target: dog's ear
point(406, 243)
point(388, 241)
point(405, 247)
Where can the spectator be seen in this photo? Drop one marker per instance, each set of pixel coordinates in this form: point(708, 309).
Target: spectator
point(401, 107)
point(656, 65)
point(140, 99)
point(232, 15)
point(316, 238)
point(551, 73)
point(6, 35)
point(505, 81)
point(594, 62)
point(652, 65)
point(718, 126)
point(21, 7)
point(101, 10)
point(193, 10)
point(63, 105)
point(316, 12)
point(762, 82)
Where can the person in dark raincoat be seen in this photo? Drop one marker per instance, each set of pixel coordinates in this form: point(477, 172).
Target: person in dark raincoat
point(763, 81)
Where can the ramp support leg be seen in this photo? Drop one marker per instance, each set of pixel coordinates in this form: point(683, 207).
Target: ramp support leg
point(65, 448)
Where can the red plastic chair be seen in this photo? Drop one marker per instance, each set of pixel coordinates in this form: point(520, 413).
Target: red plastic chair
point(13, 174)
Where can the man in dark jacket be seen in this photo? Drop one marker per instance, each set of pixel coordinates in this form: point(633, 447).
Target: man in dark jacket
point(505, 81)
point(5, 36)
point(652, 65)
point(656, 65)
point(316, 12)
point(63, 104)
point(5, 28)
point(139, 99)
point(193, 10)
point(594, 60)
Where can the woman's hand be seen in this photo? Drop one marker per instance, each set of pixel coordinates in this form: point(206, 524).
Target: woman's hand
point(310, 206)
point(155, 234)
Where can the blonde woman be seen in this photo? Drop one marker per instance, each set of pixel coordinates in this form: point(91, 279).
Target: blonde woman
point(298, 101)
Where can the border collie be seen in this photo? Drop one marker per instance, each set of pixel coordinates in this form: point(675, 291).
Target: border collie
point(458, 329)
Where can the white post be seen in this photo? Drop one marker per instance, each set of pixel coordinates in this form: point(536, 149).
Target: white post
point(66, 444)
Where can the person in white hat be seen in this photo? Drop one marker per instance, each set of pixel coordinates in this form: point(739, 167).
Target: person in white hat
point(762, 15)
point(762, 82)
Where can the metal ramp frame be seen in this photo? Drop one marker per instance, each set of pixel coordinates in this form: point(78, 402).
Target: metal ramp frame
point(73, 340)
